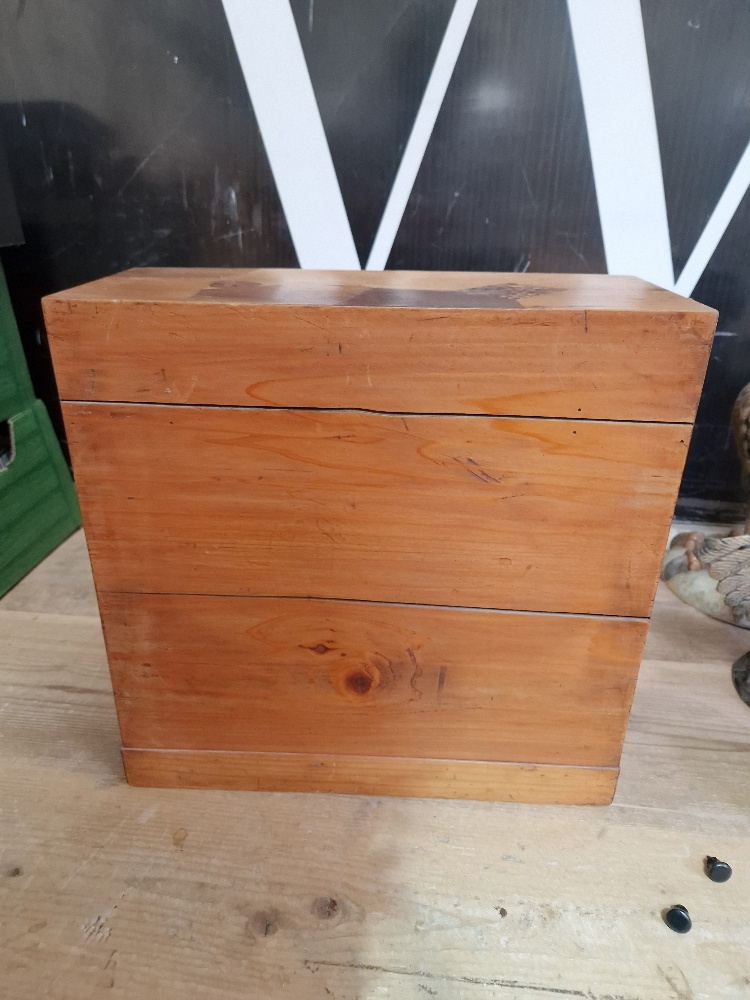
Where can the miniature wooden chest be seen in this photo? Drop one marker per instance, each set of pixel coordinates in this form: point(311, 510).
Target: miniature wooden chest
point(388, 533)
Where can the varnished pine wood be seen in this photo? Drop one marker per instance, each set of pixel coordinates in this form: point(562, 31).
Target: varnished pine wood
point(378, 442)
point(358, 775)
point(524, 514)
point(284, 286)
point(337, 677)
point(592, 346)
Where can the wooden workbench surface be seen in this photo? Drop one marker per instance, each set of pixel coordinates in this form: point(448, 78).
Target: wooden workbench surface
point(118, 892)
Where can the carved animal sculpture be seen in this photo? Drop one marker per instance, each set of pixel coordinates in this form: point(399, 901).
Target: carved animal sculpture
point(712, 573)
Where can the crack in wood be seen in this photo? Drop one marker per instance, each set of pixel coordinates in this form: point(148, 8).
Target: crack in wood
point(508, 984)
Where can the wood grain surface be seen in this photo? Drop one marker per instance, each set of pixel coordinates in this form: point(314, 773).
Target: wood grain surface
point(313, 498)
point(591, 346)
point(489, 781)
point(113, 892)
point(295, 286)
point(215, 673)
point(523, 514)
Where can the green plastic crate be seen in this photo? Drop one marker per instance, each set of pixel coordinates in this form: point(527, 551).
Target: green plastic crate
point(16, 391)
point(38, 504)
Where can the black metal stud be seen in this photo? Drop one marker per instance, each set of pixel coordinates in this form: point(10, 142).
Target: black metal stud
point(718, 871)
point(678, 919)
point(741, 677)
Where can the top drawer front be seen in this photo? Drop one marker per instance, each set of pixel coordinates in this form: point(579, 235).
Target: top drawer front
point(585, 346)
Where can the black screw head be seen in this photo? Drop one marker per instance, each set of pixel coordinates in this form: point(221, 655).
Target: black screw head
point(718, 871)
point(678, 919)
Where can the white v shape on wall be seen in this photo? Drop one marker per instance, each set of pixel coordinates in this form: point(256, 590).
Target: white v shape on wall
point(613, 70)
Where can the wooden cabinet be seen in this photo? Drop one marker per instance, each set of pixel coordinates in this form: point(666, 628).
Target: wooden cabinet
point(390, 533)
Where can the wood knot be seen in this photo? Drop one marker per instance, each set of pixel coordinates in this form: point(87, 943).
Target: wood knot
point(325, 907)
point(359, 682)
point(264, 923)
point(319, 649)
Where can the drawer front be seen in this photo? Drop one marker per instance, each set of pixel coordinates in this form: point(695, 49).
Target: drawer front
point(543, 515)
point(552, 363)
point(340, 677)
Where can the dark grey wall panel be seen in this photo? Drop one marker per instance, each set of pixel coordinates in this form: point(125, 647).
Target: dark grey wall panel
point(506, 182)
point(700, 77)
point(698, 61)
point(141, 110)
point(711, 483)
point(10, 224)
point(369, 65)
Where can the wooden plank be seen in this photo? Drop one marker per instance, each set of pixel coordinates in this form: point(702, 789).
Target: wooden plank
point(309, 287)
point(43, 593)
point(488, 781)
point(216, 673)
point(523, 514)
point(688, 734)
point(588, 346)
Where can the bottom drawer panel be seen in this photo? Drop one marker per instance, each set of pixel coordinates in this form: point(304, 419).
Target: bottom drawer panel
point(441, 779)
point(294, 676)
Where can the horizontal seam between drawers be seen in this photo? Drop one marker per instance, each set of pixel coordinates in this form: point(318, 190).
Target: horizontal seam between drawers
point(389, 604)
point(378, 413)
point(370, 756)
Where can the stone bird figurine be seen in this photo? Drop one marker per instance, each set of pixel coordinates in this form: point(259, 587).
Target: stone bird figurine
point(712, 573)
point(724, 590)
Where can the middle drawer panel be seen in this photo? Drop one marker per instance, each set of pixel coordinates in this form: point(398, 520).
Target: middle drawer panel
point(530, 514)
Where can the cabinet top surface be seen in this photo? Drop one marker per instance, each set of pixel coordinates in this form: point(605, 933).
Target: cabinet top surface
point(384, 289)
